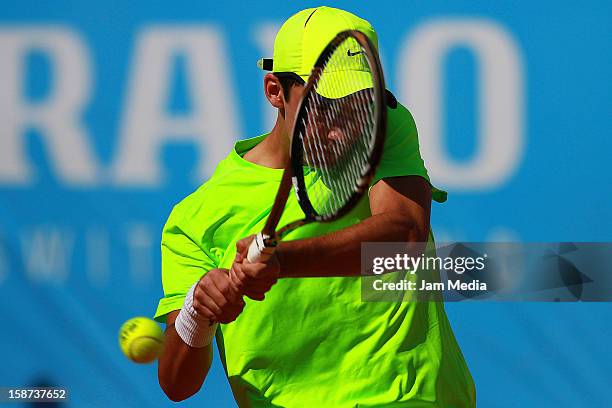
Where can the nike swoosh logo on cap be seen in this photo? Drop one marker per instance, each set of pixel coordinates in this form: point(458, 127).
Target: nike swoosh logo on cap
point(352, 54)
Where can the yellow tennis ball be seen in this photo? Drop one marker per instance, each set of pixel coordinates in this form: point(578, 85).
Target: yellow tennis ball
point(141, 339)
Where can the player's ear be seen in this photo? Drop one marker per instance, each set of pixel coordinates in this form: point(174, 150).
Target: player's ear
point(274, 91)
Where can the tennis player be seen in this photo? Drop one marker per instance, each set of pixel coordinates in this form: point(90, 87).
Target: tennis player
point(302, 337)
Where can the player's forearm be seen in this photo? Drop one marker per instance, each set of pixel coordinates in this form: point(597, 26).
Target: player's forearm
point(182, 369)
point(339, 253)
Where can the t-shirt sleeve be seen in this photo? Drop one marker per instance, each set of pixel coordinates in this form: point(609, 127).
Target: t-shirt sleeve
point(183, 262)
point(401, 154)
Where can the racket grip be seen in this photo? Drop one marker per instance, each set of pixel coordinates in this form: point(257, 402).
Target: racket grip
point(258, 251)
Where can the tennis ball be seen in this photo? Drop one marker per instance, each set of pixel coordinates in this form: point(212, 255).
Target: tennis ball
point(141, 339)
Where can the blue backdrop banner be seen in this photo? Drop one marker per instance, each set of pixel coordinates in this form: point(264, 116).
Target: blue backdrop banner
point(111, 112)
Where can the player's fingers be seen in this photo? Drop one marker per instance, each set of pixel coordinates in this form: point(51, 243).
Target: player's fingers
point(258, 290)
point(232, 290)
point(204, 311)
point(242, 246)
point(198, 295)
point(255, 295)
point(229, 310)
point(258, 271)
point(256, 281)
point(229, 296)
point(252, 270)
point(198, 305)
point(245, 281)
point(235, 279)
point(262, 286)
point(231, 314)
point(229, 286)
point(211, 298)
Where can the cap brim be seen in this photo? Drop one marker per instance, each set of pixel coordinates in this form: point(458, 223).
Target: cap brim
point(334, 85)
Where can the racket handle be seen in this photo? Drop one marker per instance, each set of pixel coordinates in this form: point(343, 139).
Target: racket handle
point(258, 251)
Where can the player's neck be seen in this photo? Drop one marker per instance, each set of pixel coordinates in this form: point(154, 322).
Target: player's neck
point(273, 151)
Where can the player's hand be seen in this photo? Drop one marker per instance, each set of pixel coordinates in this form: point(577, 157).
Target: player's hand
point(216, 298)
point(253, 279)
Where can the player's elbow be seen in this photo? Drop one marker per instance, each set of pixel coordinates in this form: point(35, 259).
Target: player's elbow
point(177, 397)
point(174, 396)
point(409, 228)
point(176, 385)
point(418, 232)
point(174, 391)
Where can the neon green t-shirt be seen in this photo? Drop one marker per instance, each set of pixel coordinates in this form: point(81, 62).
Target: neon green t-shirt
point(312, 342)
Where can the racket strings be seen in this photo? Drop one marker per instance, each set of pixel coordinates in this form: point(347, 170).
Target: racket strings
point(338, 129)
point(349, 173)
point(344, 175)
point(335, 188)
point(338, 186)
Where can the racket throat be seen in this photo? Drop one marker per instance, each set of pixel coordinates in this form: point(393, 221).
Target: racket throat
point(266, 241)
point(262, 248)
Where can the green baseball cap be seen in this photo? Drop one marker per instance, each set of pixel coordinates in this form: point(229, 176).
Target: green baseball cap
point(303, 37)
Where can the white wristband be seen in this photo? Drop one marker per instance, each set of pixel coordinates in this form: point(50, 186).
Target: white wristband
point(194, 329)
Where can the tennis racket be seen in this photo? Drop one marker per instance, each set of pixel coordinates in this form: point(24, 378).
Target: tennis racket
point(337, 139)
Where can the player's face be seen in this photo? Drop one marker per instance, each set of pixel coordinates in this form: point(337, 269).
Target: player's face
point(329, 134)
